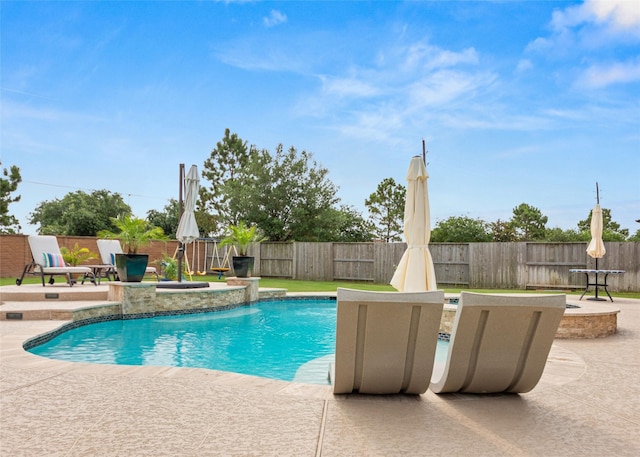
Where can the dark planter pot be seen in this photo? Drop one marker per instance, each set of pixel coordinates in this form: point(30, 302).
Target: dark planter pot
point(131, 267)
point(242, 266)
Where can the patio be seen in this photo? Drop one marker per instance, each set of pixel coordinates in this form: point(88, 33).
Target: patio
point(587, 404)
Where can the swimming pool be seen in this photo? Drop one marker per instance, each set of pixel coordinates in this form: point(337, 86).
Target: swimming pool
point(290, 340)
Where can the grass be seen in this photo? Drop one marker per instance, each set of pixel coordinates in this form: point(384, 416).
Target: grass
point(294, 285)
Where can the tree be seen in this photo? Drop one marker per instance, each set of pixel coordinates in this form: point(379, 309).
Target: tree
point(502, 231)
point(386, 210)
point(227, 160)
point(351, 227)
point(529, 223)
point(556, 234)
point(167, 220)
point(288, 195)
point(9, 184)
point(611, 230)
point(207, 222)
point(460, 229)
point(79, 213)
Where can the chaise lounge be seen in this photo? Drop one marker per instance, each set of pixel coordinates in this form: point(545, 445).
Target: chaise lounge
point(48, 260)
point(385, 341)
point(499, 343)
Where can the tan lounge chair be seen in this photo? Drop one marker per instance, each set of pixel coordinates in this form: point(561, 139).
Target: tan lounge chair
point(499, 343)
point(108, 250)
point(47, 260)
point(385, 341)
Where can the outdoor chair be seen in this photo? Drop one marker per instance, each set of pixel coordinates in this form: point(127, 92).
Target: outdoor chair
point(385, 341)
point(48, 260)
point(499, 343)
point(108, 250)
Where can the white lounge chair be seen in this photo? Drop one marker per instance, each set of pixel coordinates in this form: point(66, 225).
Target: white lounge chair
point(385, 341)
point(499, 343)
point(47, 260)
point(108, 250)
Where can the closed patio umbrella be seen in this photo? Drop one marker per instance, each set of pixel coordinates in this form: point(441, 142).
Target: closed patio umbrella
point(188, 228)
point(596, 248)
point(415, 272)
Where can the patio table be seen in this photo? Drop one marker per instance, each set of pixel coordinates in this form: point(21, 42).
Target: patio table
point(597, 284)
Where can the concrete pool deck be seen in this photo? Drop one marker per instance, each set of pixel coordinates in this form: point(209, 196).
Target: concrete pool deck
point(587, 404)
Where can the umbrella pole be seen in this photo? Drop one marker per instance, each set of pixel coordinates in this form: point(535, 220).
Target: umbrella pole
point(598, 202)
point(180, 245)
point(596, 297)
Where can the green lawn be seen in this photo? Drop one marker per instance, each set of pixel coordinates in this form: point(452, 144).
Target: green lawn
point(293, 285)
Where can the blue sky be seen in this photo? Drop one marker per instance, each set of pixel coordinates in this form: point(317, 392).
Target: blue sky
point(519, 102)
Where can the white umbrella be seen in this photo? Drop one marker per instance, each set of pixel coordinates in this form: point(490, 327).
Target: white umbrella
point(188, 228)
point(415, 272)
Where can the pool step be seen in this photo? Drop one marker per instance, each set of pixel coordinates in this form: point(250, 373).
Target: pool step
point(60, 311)
point(56, 293)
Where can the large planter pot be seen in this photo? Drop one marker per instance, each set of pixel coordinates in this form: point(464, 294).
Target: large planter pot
point(242, 266)
point(131, 267)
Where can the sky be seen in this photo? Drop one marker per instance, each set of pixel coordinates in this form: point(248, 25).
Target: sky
point(517, 101)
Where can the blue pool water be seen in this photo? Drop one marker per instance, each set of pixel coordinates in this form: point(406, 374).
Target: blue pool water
point(287, 340)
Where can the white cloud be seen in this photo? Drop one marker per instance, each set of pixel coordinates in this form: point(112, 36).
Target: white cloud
point(620, 14)
point(604, 75)
point(348, 87)
point(524, 65)
point(274, 18)
point(426, 57)
point(373, 125)
point(447, 86)
point(593, 31)
point(594, 24)
point(242, 54)
point(539, 45)
point(616, 15)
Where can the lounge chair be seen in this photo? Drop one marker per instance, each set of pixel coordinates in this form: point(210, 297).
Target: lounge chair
point(108, 250)
point(47, 260)
point(385, 341)
point(499, 343)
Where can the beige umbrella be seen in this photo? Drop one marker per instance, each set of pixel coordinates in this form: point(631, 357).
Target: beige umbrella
point(415, 272)
point(596, 246)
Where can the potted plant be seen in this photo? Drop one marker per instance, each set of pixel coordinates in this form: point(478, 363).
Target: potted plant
point(241, 236)
point(133, 234)
point(169, 267)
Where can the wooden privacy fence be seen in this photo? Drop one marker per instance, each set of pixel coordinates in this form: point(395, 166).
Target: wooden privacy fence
point(476, 265)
